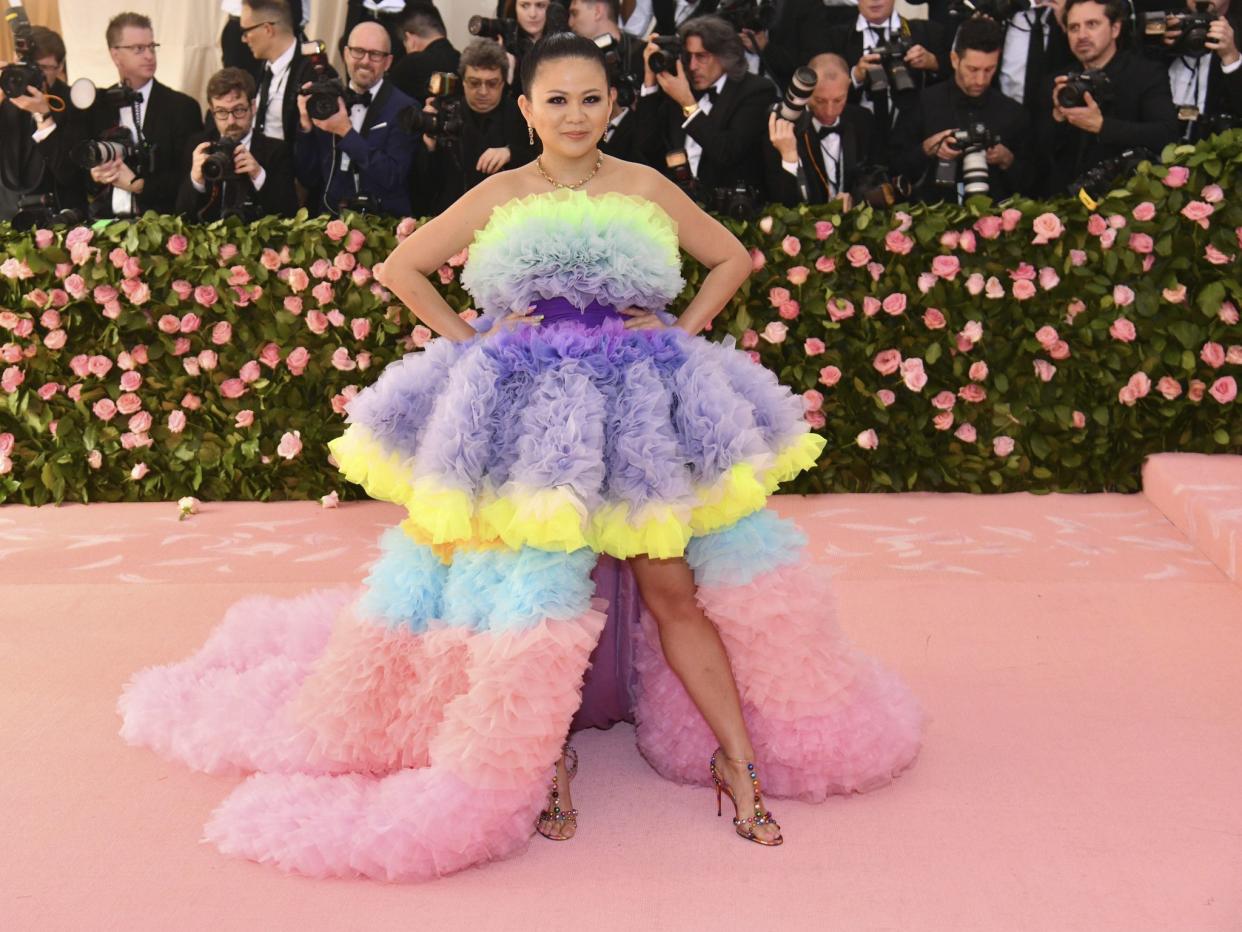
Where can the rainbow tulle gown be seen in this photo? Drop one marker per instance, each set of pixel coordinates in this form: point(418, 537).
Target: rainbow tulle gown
point(409, 728)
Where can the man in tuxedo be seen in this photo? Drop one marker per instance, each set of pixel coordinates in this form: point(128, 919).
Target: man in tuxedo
point(1138, 112)
point(260, 177)
point(593, 19)
point(877, 25)
point(1035, 49)
point(493, 133)
point(428, 50)
point(360, 157)
point(29, 164)
point(267, 27)
point(158, 121)
point(1206, 83)
point(923, 137)
point(817, 158)
point(711, 108)
point(233, 48)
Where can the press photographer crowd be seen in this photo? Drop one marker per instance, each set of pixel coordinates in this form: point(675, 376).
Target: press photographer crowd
point(741, 102)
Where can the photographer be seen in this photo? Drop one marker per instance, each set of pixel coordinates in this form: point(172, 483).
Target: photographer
point(255, 178)
point(799, 30)
point(491, 134)
point(891, 58)
point(1122, 101)
point(267, 29)
point(1035, 49)
point(817, 158)
point(150, 121)
point(1205, 71)
point(358, 155)
point(427, 48)
point(233, 48)
point(522, 23)
point(29, 166)
point(701, 109)
point(593, 19)
point(927, 141)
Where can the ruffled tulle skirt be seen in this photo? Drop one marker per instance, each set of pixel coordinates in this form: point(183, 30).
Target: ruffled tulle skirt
point(408, 728)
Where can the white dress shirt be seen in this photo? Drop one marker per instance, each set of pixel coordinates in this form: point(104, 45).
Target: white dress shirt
point(274, 122)
point(694, 152)
point(1017, 48)
point(641, 21)
point(873, 35)
point(830, 149)
point(358, 116)
point(123, 201)
point(615, 122)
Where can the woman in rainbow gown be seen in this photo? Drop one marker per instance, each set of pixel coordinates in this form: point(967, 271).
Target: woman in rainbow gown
point(417, 726)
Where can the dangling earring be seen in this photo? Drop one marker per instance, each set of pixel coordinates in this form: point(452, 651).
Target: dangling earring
point(530, 133)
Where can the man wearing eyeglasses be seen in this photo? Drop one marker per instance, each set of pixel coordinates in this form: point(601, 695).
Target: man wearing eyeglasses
point(267, 29)
point(360, 156)
point(158, 122)
point(257, 180)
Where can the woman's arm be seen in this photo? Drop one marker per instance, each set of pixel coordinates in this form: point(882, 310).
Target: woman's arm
point(405, 271)
point(708, 241)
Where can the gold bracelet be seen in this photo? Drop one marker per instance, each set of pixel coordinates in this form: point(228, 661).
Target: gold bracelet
point(690, 110)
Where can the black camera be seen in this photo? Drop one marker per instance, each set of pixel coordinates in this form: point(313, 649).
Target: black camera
point(755, 15)
point(24, 73)
point(671, 50)
point(445, 123)
point(325, 93)
point(219, 165)
point(973, 142)
point(504, 29)
point(800, 89)
point(1191, 25)
point(1095, 183)
point(115, 145)
point(1000, 11)
point(41, 211)
point(361, 204)
point(890, 73)
point(1210, 124)
point(875, 187)
point(1081, 83)
point(625, 82)
point(740, 202)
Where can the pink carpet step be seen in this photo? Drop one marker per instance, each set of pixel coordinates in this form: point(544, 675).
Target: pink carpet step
point(1202, 495)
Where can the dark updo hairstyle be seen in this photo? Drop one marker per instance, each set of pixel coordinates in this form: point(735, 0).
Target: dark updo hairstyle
point(556, 46)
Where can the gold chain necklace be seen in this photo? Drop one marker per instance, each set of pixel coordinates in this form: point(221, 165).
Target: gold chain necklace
point(599, 160)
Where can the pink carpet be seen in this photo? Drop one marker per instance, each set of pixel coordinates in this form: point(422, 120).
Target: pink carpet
point(1080, 657)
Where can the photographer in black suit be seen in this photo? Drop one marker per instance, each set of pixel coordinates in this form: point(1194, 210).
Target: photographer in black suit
point(1131, 106)
point(817, 158)
point(1035, 49)
point(710, 108)
point(1205, 70)
point(427, 48)
point(924, 144)
point(925, 61)
point(267, 28)
point(255, 179)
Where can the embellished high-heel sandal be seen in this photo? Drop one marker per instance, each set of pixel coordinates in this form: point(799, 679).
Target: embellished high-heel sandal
point(552, 821)
point(745, 827)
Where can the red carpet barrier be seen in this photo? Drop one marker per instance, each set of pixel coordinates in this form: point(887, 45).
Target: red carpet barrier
point(1030, 346)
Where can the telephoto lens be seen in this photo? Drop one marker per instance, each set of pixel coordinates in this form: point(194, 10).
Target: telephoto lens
point(797, 94)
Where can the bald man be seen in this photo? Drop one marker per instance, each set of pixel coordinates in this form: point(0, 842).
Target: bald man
point(817, 158)
point(360, 157)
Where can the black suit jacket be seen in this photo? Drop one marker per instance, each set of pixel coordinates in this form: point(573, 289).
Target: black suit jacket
point(733, 136)
point(623, 143)
point(665, 10)
point(943, 106)
point(798, 33)
point(27, 167)
point(380, 157)
point(169, 118)
point(1058, 59)
point(857, 140)
point(275, 197)
point(1141, 114)
point(413, 72)
point(300, 71)
point(1224, 91)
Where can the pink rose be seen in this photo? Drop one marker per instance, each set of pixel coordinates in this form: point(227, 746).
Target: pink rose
point(933, 319)
point(1198, 212)
point(176, 421)
point(1213, 354)
point(994, 289)
point(765, 224)
point(798, 274)
point(190, 364)
point(244, 418)
point(775, 332)
point(1228, 312)
point(1045, 370)
point(1002, 445)
point(1140, 384)
point(168, 324)
point(1010, 218)
point(858, 255)
point(24, 327)
point(55, 340)
point(407, 226)
point(290, 443)
point(875, 270)
point(207, 360)
point(117, 256)
point(813, 346)
point(816, 419)
point(887, 361)
point(421, 335)
point(1169, 387)
point(293, 304)
point(973, 331)
point(1077, 257)
point(944, 401)
point(897, 242)
point(189, 323)
point(320, 268)
point(1123, 296)
point(871, 306)
point(1144, 212)
point(232, 388)
point(1141, 243)
point(6, 444)
point(894, 304)
point(316, 321)
point(131, 381)
point(76, 285)
point(789, 310)
point(912, 374)
point(139, 471)
point(967, 242)
point(750, 339)
point(757, 260)
point(181, 346)
point(975, 394)
point(363, 359)
point(182, 289)
point(791, 245)
point(12, 379)
point(1046, 336)
point(49, 389)
point(840, 309)
point(1175, 295)
point(356, 240)
point(1127, 396)
point(100, 366)
point(943, 420)
point(270, 355)
point(974, 284)
point(812, 400)
point(1107, 238)
point(868, 440)
point(1177, 176)
point(336, 318)
point(80, 364)
point(297, 360)
point(221, 332)
point(139, 354)
point(140, 423)
point(1194, 392)
point(1079, 420)
point(1234, 356)
point(239, 275)
point(250, 372)
point(1097, 225)
point(104, 409)
point(297, 279)
point(778, 296)
point(1215, 256)
point(336, 230)
point(1024, 290)
point(323, 293)
point(341, 360)
point(191, 401)
point(966, 433)
point(946, 267)
point(926, 282)
point(345, 261)
point(886, 397)
point(1123, 330)
point(1213, 194)
point(1224, 390)
point(988, 227)
point(829, 376)
point(1116, 221)
point(1047, 227)
point(128, 404)
point(1059, 350)
point(826, 264)
point(823, 229)
point(43, 238)
point(177, 244)
point(132, 267)
point(949, 239)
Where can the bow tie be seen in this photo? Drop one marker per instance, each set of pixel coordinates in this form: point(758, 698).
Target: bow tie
point(364, 98)
point(834, 130)
point(710, 94)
